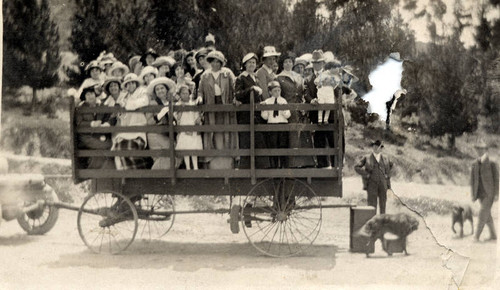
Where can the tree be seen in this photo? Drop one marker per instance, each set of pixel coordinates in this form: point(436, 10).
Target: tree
point(31, 51)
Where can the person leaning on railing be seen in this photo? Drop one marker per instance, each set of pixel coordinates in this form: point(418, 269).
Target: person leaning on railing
point(96, 141)
point(246, 84)
point(135, 98)
point(217, 87)
point(161, 92)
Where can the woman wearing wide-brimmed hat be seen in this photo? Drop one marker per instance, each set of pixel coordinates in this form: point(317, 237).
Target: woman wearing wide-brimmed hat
point(217, 87)
point(164, 65)
point(95, 78)
point(203, 65)
point(97, 141)
point(134, 64)
point(134, 98)
point(160, 91)
point(265, 74)
point(247, 83)
point(148, 74)
point(292, 90)
point(118, 70)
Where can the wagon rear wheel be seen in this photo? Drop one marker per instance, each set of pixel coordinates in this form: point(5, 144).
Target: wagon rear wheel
point(154, 223)
point(281, 217)
point(107, 222)
point(41, 220)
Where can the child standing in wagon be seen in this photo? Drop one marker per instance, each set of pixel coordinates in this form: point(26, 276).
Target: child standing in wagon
point(188, 140)
point(277, 139)
point(326, 82)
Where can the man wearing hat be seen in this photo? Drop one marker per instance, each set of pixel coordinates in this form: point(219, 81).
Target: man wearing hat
point(322, 139)
point(484, 183)
point(265, 74)
point(375, 169)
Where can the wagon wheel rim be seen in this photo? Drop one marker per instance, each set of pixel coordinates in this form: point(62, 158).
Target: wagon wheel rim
point(107, 222)
point(285, 217)
point(152, 223)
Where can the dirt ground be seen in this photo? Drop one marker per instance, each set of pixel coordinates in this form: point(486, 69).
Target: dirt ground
point(200, 252)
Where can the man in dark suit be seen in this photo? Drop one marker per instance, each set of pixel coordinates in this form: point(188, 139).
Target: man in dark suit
point(484, 183)
point(375, 169)
point(322, 139)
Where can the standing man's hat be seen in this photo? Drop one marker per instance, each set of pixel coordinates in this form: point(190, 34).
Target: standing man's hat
point(317, 56)
point(210, 38)
point(270, 51)
point(378, 143)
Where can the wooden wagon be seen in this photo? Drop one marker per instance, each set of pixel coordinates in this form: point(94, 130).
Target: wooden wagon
point(280, 210)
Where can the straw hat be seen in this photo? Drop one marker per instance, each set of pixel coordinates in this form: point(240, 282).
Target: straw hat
point(163, 60)
point(131, 77)
point(270, 51)
point(118, 66)
point(110, 80)
point(133, 61)
point(93, 64)
point(301, 61)
point(216, 55)
point(148, 70)
point(170, 84)
point(248, 57)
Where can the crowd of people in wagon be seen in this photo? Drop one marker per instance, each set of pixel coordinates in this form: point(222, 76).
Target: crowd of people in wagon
point(201, 77)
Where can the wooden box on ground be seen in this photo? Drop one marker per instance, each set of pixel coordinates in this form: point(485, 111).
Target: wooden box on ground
point(393, 243)
point(359, 216)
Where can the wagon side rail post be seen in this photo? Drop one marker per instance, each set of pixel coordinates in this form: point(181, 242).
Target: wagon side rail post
point(340, 134)
point(252, 138)
point(171, 141)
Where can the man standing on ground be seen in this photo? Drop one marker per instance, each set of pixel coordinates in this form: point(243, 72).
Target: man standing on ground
point(484, 182)
point(375, 169)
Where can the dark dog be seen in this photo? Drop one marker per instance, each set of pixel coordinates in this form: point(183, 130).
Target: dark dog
point(459, 215)
point(399, 224)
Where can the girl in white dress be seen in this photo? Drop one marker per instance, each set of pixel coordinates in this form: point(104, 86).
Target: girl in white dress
point(188, 140)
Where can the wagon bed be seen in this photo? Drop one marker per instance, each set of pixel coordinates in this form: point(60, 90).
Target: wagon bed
point(269, 198)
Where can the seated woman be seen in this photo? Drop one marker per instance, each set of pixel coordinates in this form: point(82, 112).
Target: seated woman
point(135, 98)
point(161, 92)
point(97, 141)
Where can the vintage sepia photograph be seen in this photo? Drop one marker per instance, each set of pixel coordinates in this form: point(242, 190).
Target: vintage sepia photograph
point(250, 144)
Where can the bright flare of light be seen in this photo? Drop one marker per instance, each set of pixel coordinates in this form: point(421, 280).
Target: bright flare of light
point(385, 81)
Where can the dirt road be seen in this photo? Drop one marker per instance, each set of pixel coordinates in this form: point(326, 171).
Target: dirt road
point(200, 252)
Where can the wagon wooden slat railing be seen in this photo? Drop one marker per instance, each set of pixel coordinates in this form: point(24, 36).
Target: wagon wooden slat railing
point(287, 198)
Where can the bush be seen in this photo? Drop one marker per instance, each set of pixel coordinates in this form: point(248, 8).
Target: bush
point(35, 136)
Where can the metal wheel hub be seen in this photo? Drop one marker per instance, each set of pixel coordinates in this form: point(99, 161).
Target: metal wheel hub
point(281, 216)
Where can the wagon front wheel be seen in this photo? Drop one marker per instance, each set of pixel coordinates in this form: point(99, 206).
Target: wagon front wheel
point(107, 222)
point(42, 219)
point(281, 217)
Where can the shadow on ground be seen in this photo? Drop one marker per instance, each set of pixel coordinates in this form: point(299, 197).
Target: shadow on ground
point(194, 256)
